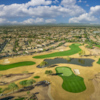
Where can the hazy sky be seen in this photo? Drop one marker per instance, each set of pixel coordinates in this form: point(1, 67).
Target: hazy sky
point(49, 11)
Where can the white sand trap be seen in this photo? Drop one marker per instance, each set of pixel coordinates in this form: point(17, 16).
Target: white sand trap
point(6, 61)
point(61, 50)
point(76, 71)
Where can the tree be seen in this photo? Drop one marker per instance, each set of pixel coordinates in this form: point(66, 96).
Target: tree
point(0, 90)
point(43, 63)
point(48, 72)
point(30, 82)
point(23, 83)
point(12, 86)
point(82, 53)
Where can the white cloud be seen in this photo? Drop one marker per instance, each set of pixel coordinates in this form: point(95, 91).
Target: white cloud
point(56, 1)
point(33, 21)
point(84, 18)
point(95, 10)
point(68, 2)
point(38, 2)
point(80, 1)
point(50, 20)
point(87, 5)
point(92, 16)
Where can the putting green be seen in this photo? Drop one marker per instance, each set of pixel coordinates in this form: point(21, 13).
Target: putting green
point(19, 64)
point(64, 71)
point(71, 82)
point(74, 49)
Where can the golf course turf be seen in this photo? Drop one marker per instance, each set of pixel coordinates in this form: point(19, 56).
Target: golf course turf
point(98, 61)
point(71, 82)
point(74, 49)
point(98, 46)
point(19, 64)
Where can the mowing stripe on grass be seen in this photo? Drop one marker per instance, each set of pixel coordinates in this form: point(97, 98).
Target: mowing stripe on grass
point(72, 83)
point(98, 61)
point(19, 64)
point(74, 49)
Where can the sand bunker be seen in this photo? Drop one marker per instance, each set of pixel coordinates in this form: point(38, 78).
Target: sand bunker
point(6, 61)
point(76, 71)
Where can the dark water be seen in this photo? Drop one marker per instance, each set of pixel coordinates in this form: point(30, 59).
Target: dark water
point(76, 61)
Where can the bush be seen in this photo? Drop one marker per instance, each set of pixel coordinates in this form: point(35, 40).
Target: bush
point(48, 72)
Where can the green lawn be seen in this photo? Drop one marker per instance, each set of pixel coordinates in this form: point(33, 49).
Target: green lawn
point(19, 64)
point(98, 46)
point(71, 82)
point(74, 49)
point(98, 61)
point(36, 76)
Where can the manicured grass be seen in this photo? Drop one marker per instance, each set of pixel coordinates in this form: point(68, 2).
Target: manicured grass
point(19, 64)
point(74, 49)
point(71, 82)
point(98, 46)
point(78, 44)
point(98, 61)
point(36, 76)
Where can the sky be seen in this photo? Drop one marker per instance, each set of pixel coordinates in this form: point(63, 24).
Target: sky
point(31, 12)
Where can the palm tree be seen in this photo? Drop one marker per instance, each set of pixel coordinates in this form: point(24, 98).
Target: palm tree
point(12, 86)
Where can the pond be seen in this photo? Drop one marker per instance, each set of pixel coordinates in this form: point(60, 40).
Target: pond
point(76, 61)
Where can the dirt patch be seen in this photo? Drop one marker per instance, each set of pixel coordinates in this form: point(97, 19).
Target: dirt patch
point(6, 79)
point(40, 91)
point(96, 83)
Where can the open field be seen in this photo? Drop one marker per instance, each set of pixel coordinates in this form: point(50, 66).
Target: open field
point(73, 50)
point(19, 64)
point(71, 82)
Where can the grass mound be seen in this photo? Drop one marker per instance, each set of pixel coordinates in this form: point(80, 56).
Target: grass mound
point(98, 61)
point(71, 82)
point(36, 76)
point(74, 49)
point(19, 64)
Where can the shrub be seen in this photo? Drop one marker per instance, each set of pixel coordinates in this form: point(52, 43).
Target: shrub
point(48, 72)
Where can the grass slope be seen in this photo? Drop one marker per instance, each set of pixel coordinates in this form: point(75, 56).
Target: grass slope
point(98, 46)
point(74, 49)
point(19, 64)
point(98, 61)
point(72, 83)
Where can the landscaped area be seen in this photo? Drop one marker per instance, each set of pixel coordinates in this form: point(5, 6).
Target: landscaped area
point(74, 49)
point(98, 46)
point(71, 82)
point(36, 76)
point(98, 61)
point(19, 64)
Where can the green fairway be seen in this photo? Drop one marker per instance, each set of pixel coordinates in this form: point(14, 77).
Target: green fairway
point(78, 44)
point(74, 49)
point(19, 64)
point(71, 82)
point(98, 61)
point(36, 76)
point(98, 46)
